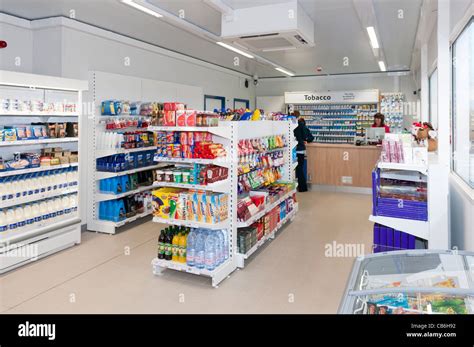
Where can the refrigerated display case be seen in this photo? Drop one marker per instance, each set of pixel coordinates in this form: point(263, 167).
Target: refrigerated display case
point(411, 282)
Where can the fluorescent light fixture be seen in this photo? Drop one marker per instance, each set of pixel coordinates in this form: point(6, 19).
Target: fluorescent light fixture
point(382, 65)
point(236, 50)
point(142, 8)
point(373, 37)
point(284, 71)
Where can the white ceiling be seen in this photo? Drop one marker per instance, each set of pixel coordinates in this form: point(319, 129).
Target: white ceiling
point(338, 31)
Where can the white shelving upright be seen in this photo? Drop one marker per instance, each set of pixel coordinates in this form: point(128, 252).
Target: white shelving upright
point(18, 248)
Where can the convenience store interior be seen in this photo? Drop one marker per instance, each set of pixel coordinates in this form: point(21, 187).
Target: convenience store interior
point(236, 71)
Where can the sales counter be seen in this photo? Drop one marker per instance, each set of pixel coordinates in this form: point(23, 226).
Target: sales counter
point(341, 164)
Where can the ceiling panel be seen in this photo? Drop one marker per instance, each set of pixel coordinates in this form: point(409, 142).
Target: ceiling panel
point(338, 32)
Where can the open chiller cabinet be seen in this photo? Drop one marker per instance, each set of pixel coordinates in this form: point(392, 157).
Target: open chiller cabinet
point(45, 237)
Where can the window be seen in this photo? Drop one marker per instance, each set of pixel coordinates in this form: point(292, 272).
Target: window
point(241, 103)
point(463, 104)
point(212, 102)
point(433, 99)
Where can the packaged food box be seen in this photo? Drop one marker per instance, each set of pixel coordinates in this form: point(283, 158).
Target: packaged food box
point(190, 118)
point(169, 118)
point(173, 106)
point(181, 118)
point(164, 202)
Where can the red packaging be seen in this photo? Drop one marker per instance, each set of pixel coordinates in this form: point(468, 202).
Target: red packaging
point(169, 118)
point(183, 138)
point(173, 106)
point(190, 138)
point(170, 137)
point(181, 118)
point(190, 118)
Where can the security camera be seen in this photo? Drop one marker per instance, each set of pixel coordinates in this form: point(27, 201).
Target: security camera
point(255, 79)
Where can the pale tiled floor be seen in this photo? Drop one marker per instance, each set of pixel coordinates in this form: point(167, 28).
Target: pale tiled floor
point(98, 277)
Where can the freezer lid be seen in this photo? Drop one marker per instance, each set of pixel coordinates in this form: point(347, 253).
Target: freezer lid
point(422, 274)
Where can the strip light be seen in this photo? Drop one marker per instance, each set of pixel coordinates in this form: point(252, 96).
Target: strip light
point(142, 8)
point(382, 65)
point(236, 50)
point(373, 37)
point(284, 71)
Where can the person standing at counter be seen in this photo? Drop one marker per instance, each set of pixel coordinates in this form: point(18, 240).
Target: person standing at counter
point(379, 122)
point(303, 135)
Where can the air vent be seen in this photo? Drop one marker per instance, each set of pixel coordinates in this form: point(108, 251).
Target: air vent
point(256, 29)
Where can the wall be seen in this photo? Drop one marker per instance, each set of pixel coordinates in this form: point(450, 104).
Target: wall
point(85, 48)
point(18, 55)
point(278, 86)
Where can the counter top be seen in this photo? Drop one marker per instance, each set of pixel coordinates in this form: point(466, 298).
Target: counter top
point(342, 145)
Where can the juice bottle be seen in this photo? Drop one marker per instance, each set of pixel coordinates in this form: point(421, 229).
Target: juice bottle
point(168, 245)
point(161, 245)
point(175, 245)
point(182, 247)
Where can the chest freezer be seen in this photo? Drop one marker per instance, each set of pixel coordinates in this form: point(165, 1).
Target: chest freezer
point(411, 282)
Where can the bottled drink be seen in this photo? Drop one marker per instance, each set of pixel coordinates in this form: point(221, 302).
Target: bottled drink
point(168, 245)
point(3, 221)
point(182, 247)
point(190, 248)
point(220, 250)
point(199, 249)
point(10, 219)
point(175, 246)
point(161, 245)
point(210, 252)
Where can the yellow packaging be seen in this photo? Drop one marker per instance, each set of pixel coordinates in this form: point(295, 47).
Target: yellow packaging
point(164, 202)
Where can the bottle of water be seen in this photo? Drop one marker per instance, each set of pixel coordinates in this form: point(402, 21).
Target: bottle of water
point(191, 248)
point(199, 249)
point(210, 254)
point(220, 250)
point(226, 245)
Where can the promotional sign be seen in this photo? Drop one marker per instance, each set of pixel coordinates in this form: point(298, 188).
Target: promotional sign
point(336, 97)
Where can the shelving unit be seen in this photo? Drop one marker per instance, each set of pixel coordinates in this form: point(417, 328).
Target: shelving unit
point(100, 91)
point(391, 105)
point(231, 133)
point(435, 230)
point(267, 209)
point(242, 257)
point(337, 122)
point(20, 247)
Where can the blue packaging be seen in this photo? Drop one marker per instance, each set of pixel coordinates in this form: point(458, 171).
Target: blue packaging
point(111, 108)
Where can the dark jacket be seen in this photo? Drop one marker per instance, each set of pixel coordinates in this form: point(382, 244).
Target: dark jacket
point(302, 134)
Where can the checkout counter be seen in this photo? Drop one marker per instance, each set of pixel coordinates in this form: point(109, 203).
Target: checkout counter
point(341, 164)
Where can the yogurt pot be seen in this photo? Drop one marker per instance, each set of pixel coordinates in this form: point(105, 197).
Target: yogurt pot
point(178, 176)
point(186, 175)
point(160, 175)
point(168, 176)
